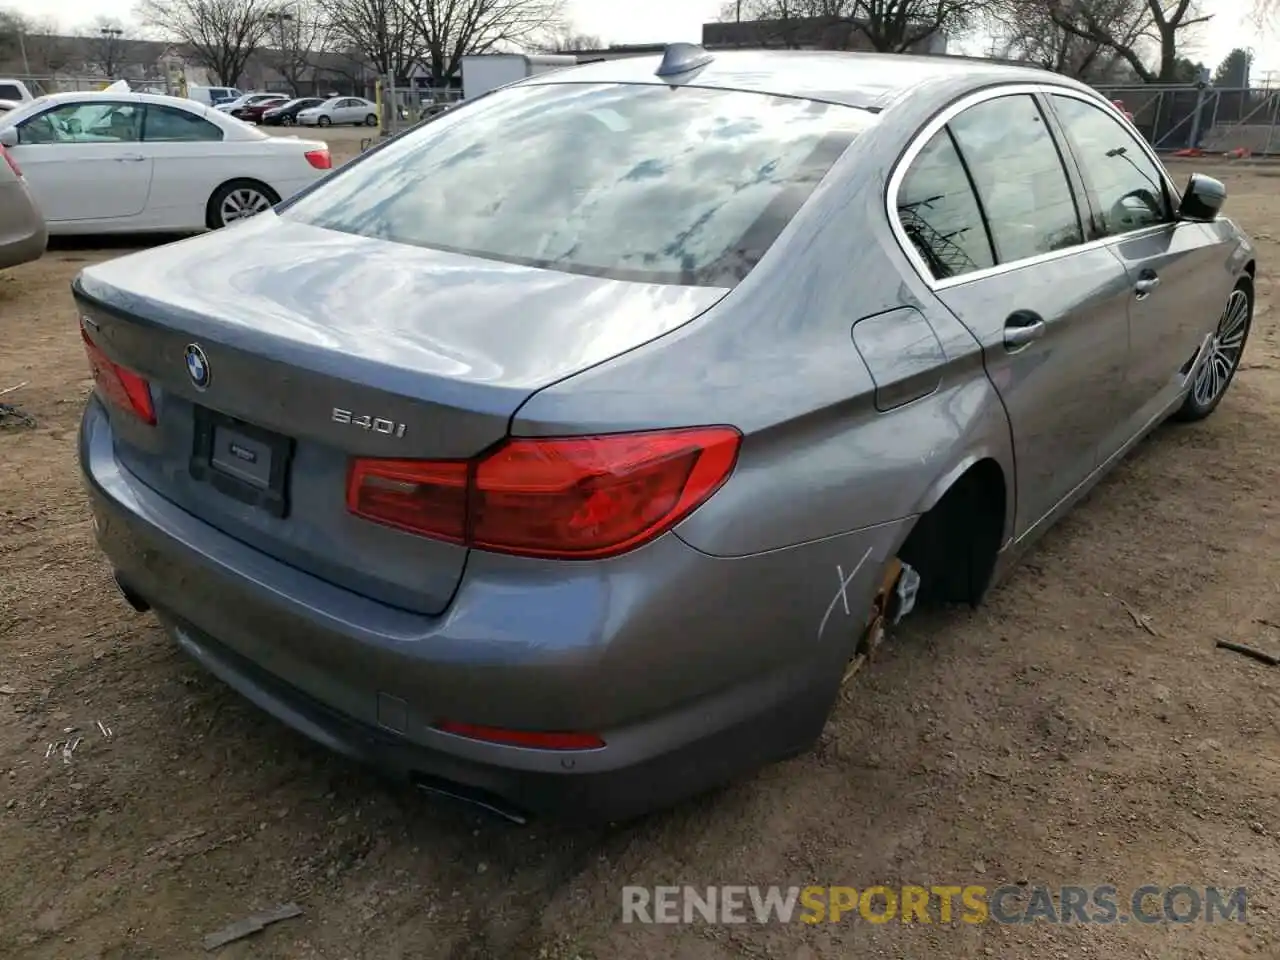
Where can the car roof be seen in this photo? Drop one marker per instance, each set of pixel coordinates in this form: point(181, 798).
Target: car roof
point(88, 96)
point(867, 80)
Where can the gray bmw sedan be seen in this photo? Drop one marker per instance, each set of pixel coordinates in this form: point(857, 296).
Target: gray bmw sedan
point(567, 452)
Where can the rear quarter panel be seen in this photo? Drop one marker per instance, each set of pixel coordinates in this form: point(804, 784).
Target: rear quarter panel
point(187, 174)
point(776, 358)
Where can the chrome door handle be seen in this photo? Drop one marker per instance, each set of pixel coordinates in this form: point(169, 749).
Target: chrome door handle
point(1023, 327)
point(1146, 285)
point(131, 158)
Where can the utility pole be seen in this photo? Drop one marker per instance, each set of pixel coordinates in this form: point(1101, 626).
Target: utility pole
point(22, 48)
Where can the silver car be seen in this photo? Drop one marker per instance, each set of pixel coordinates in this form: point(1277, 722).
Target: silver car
point(23, 232)
point(577, 477)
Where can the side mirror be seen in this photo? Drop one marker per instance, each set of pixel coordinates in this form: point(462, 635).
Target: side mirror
point(1203, 199)
point(9, 137)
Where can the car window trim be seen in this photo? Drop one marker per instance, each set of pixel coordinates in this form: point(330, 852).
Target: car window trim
point(1167, 195)
point(940, 120)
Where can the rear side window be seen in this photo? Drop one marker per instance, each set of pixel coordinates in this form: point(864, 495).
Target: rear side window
point(176, 126)
point(635, 182)
point(940, 214)
point(9, 91)
point(1019, 176)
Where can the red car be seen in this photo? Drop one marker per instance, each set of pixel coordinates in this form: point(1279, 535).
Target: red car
point(253, 112)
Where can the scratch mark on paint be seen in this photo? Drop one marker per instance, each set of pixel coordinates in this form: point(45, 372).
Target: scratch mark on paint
point(842, 592)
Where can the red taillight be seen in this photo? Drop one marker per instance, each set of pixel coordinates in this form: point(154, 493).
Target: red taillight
point(420, 496)
point(122, 387)
point(565, 497)
point(319, 159)
point(523, 738)
point(13, 164)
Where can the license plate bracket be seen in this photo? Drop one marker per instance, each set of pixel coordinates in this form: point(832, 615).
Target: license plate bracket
point(242, 460)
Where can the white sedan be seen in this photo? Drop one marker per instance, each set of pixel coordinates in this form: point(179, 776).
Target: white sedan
point(355, 110)
point(111, 162)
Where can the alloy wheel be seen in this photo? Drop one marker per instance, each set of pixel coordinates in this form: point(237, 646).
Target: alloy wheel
point(1225, 351)
point(242, 203)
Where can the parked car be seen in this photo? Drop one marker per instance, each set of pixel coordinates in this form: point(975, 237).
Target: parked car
point(252, 113)
point(23, 234)
point(213, 96)
point(286, 114)
point(577, 478)
point(244, 100)
point(431, 110)
point(131, 162)
point(339, 110)
point(14, 90)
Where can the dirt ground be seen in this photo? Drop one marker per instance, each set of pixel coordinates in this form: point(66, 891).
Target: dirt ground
point(1046, 737)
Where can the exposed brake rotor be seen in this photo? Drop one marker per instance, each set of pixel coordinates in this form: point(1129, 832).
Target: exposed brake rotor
point(893, 601)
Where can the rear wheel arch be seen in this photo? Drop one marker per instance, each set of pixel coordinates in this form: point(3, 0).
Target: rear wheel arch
point(955, 542)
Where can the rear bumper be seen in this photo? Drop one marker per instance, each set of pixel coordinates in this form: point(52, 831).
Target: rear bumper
point(23, 233)
point(686, 689)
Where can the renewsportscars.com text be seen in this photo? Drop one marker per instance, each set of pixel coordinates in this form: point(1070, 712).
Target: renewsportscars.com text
point(941, 904)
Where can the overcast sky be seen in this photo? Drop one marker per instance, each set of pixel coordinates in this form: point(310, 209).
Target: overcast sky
point(641, 21)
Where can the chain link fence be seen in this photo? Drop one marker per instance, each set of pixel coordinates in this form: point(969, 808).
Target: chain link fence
point(403, 105)
point(1212, 119)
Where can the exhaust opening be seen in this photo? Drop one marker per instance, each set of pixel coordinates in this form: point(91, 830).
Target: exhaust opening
point(470, 796)
point(131, 596)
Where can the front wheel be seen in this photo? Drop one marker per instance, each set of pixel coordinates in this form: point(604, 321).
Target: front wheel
point(1227, 347)
point(286, 121)
point(239, 200)
point(324, 121)
point(371, 120)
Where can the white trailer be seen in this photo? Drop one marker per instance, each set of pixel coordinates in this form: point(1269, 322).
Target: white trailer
point(483, 72)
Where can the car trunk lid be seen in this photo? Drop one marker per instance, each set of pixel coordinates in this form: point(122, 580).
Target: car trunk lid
point(319, 347)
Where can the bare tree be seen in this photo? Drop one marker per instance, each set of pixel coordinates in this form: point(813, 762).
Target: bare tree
point(782, 23)
point(107, 46)
point(564, 40)
point(222, 34)
point(299, 29)
point(13, 41)
point(1166, 25)
point(1027, 31)
point(378, 31)
point(448, 30)
point(32, 45)
point(892, 26)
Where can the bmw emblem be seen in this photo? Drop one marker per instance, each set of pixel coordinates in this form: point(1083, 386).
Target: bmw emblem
point(198, 366)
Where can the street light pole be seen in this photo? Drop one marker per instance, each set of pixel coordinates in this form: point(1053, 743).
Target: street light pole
point(113, 35)
point(280, 18)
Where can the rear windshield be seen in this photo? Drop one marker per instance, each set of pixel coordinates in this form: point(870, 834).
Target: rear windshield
point(634, 182)
point(9, 91)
